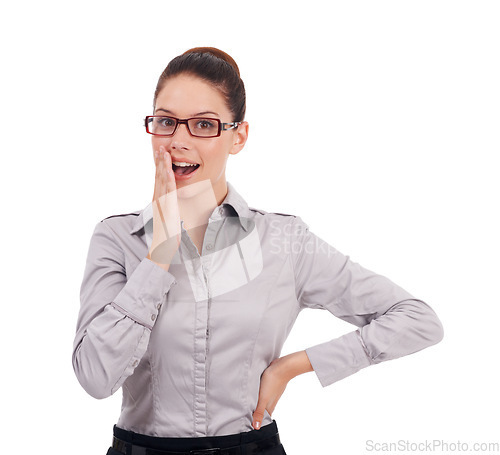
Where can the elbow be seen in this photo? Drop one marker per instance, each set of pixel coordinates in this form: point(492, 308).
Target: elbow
point(92, 386)
point(436, 330)
point(95, 391)
point(427, 324)
point(93, 383)
point(409, 327)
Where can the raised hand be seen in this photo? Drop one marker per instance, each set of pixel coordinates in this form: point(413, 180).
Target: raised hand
point(166, 218)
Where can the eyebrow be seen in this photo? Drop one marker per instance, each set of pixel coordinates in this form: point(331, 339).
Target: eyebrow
point(194, 115)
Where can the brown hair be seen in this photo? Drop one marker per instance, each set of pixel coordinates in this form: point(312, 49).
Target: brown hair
point(215, 67)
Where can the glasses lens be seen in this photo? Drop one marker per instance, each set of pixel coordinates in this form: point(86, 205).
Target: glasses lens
point(204, 127)
point(161, 125)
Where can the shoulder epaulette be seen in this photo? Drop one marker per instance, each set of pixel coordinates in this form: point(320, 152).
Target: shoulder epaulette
point(272, 213)
point(253, 209)
point(123, 214)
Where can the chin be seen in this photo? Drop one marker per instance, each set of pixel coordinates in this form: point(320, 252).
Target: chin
point(191, 189)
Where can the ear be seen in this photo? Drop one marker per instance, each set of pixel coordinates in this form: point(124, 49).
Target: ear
point(240, 138)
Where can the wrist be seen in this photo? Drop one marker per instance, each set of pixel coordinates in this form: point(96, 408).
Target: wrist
point(163, 266)
point(295, 364)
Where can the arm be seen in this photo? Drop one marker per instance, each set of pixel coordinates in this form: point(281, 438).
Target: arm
point(116, 314)
point(391, 322)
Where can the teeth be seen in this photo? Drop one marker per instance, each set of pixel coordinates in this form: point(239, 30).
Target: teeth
point(182, 164)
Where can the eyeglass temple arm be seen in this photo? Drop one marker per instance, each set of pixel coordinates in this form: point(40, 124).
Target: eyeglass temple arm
point(230, 125)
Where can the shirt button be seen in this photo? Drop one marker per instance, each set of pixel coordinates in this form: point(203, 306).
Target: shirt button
point(158, 306)
point(135, 363)
point(153, 317)
point(221, 211)
point(209, 246)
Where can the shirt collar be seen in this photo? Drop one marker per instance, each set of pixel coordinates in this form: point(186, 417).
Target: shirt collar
point(232, 200)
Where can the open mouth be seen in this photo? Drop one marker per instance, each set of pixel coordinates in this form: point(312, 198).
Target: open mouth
point(184, 170)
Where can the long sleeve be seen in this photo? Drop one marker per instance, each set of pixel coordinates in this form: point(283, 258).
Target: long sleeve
point(391, 322)
point(117, 314)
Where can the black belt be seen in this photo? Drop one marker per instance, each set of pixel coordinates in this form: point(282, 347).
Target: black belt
point(248, 448)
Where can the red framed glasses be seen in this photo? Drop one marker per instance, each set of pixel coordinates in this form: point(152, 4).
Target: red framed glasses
point(161, 125)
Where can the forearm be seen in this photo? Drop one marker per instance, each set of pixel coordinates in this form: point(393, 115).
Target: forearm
point(409, 326)
point(117, 313)
point(110, 350)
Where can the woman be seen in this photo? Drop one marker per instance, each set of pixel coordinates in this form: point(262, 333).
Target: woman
point(187, 303)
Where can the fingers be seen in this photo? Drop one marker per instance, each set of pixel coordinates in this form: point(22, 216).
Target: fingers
point(157, 174)
point(258, 415)
point(164, 182)
point(272, 386)
point(164, 177)
point(160, 185)
point(169, 173)
point(167, 199)
point(166, 220)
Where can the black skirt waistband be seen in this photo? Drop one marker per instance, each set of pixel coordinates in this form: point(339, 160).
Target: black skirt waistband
point(204, 442)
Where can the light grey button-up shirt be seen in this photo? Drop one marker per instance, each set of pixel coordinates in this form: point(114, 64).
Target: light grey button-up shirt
point(188, 346)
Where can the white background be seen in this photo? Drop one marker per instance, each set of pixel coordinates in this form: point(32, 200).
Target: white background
point(377, 122)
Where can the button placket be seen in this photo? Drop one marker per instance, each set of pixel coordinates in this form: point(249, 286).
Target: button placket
point(202, 337)
point(200, 402)
point(209, 240)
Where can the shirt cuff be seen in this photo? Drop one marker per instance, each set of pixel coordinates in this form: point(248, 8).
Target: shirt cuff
point(338, 358)
point(142, 296)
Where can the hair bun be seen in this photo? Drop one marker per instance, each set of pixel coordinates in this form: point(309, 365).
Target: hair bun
point(215, 67)
point(217, 53)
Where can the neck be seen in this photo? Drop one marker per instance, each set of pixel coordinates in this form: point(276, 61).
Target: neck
point(198, 201)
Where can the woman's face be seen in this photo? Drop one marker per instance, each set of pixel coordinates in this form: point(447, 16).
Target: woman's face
point(185, 96)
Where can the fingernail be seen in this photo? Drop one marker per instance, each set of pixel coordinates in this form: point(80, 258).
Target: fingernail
point(257, 425)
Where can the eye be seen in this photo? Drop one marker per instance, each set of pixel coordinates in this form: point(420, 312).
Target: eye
point(205, 124)
point(165, 122)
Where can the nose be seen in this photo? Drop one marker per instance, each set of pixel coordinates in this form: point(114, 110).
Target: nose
point(181, 138)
